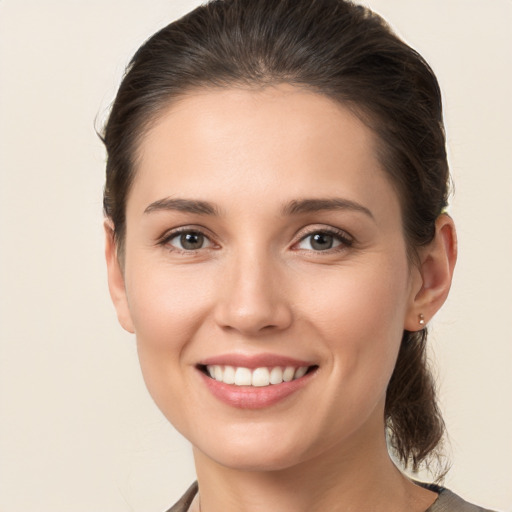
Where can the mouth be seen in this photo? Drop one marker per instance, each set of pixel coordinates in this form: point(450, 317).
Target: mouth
point(255, 381)
point(255, 377)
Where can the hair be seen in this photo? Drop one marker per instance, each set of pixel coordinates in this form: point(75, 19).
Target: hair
point(347, 53)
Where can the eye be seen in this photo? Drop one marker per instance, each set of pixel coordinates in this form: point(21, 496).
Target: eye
point(323, 241)
point(189, 241)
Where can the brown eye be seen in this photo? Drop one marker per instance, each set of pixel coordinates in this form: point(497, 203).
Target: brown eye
point(189, 241)
point(323, 241)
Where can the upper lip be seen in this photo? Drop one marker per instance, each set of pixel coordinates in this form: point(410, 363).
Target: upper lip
point(254, 361)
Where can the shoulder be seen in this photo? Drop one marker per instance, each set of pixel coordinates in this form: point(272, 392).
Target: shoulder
point(446, 502)
point(450, 502)
point(183, 504)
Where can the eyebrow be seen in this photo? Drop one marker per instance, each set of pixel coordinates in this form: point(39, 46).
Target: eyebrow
point(298, 206)
point(295, 207)
point(182, 205)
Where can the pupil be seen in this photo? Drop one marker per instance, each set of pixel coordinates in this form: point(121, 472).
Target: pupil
point(191, 240)
point(321, 241)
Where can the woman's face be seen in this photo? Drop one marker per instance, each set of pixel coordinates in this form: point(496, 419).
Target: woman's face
point(264, 241)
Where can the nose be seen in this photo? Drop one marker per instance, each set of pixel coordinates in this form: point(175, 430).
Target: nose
point(253, 299)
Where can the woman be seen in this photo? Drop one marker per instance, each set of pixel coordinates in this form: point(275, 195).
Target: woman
point(276, 239)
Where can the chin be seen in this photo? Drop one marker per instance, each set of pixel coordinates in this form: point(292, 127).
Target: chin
point(250, 450)
point(258, 459)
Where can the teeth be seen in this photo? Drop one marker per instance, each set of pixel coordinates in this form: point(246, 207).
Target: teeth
point(276, 375)
point(301, 372)
point(259, 377)
point(288, 373)
point(229, 375)
point(243, 377)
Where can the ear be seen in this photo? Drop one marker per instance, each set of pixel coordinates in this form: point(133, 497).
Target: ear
point(116, 283)
point(435, 272)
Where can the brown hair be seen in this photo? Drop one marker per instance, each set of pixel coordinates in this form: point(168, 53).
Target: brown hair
point(335, 48)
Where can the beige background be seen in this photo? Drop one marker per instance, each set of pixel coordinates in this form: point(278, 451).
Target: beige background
point(77, 428)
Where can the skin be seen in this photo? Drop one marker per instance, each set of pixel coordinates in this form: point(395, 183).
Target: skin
point(258, 285)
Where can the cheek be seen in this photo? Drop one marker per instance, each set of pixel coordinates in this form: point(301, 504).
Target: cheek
point(360, 312)
point(166, 304)
point(362, 297)
point(167, 309)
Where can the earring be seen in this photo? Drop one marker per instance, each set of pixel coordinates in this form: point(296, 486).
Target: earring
point(421, 320)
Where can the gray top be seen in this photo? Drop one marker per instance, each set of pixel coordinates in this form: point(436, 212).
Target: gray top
point(450, 502)
point(447, 501)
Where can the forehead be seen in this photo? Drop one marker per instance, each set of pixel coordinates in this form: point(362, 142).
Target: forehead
point(241, 144)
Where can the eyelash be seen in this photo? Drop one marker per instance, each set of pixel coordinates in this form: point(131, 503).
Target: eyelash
point(175, 233)
point(344, 239)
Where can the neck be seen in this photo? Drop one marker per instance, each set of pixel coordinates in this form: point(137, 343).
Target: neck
point(340, 480)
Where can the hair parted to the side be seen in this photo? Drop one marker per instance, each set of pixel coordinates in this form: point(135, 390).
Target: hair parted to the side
point(340, 50)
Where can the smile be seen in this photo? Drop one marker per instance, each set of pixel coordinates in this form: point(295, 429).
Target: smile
point(257, 377)
point(255, 382)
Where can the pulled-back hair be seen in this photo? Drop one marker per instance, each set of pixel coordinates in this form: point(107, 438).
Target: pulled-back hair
point(335, 48)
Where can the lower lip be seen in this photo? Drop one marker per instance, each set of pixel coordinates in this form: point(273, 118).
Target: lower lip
point(251, 397)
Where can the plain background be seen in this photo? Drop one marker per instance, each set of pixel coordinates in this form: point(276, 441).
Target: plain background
point(78, 430)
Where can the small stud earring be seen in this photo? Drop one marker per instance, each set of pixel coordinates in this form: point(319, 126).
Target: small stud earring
point(421, 320)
